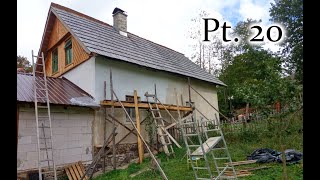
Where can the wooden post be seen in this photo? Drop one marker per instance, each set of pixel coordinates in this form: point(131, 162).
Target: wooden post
point(179, 115)
point(140, 146)
point(105, 115)
point(189, 91)
point(113, 125)
point(145, 143)
point(17, 126)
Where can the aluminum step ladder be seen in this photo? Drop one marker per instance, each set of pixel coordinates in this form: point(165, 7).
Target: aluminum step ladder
point(203, 145)
point(43, 119)
point(158, 120)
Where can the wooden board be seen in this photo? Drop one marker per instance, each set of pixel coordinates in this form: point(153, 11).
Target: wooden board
point(140, 145)
point(207, 145)
point(242, 162)
point(144, 105)
point(75, 171)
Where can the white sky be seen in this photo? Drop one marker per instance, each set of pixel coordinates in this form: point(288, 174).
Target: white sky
point(163, 21)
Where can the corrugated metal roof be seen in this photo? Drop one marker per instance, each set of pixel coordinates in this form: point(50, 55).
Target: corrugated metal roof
point(61, 91)
point(103, 39)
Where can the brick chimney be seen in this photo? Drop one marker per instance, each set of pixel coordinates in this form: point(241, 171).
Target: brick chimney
point(120, 21)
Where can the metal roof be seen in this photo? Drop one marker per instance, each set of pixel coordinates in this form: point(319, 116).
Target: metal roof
point(100, 38)
point(61, 91)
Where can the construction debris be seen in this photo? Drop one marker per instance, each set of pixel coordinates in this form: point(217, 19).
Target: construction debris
point(265, 155)
point(242, 162)
point(75, 171)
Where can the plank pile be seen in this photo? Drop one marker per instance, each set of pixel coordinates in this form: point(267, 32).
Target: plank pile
point(75, 171)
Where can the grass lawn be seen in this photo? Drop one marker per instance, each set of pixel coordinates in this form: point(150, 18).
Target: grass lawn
point(241, 144)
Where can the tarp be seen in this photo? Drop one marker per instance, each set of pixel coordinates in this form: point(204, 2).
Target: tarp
point(265, 155)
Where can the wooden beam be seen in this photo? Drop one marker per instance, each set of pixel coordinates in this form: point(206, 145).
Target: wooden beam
point(139, 134)
point(140, 147)
point(144, 105)
point(113, 125)
point(17, 126)
point(126, 126)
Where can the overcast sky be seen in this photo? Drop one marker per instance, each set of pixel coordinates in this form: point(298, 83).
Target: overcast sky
point(163, 21)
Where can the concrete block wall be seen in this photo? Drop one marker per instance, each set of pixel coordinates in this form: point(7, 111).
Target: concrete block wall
point(72, 136)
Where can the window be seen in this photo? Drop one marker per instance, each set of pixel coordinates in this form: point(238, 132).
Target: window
point(68, 51)
point(55, 61)
point(131, 111)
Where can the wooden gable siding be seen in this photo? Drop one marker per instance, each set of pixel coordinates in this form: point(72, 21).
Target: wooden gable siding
point(58, 31)
point(59, 36)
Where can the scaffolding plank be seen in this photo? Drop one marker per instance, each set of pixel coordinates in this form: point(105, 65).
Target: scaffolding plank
point(144, 105)
point(207, 145)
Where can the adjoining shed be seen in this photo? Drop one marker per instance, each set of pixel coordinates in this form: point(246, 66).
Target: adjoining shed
point(72, 112)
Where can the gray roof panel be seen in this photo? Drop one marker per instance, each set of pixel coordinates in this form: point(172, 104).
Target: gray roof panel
point(104, 40)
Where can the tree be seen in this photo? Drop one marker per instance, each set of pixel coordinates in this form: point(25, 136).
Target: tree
point(289, 13)
point(208, 55)
point(22, 62)
point(243, 31)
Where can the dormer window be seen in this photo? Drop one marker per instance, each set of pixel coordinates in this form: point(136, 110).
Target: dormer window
point(55, 61)
point(68, 51)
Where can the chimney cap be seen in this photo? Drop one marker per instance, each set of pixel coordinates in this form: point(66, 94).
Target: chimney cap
point(118, 10)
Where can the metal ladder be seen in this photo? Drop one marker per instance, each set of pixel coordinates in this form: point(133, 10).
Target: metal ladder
point(43, 122)
point(200, 149)
point(158, 120)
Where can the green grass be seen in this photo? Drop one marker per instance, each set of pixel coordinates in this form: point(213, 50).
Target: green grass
point(241, 143)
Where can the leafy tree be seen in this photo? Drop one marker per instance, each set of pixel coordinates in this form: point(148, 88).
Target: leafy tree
point(243, 31)
point(248, 76)
point(22, 62)
point(289, 13)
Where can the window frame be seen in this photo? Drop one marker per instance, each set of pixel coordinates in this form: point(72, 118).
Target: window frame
point(131, 111)
point(68, 48)
point(55, 62)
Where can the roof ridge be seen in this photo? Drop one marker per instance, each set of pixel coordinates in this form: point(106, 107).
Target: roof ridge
point(101, 22)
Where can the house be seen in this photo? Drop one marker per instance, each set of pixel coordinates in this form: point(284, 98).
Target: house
point(72, 113)
point(85, 50)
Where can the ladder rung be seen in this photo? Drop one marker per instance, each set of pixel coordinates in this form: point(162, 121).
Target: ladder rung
point(221, 158)
point(150, 95)
point(45, 148)
point(44, 126)
point(163, 134)
point(44, 138)
point(42, 106)
point(203, 168)
point(39, 72)
point(45, 160)
point(47, 172)
point(158, 117)
point(194, 145)
point(155, 109)
point(43, 116)
point(40, 57)
point(39, 64)
point(227, 167)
